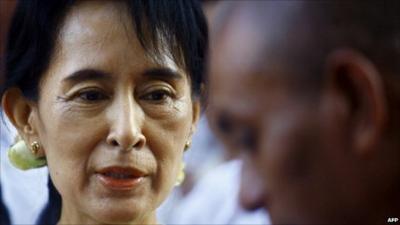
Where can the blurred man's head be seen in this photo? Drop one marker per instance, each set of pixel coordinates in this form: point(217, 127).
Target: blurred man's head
point(309, 92)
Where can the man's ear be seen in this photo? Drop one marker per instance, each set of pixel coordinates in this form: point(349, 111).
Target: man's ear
point(20, 111)
point(359, 84)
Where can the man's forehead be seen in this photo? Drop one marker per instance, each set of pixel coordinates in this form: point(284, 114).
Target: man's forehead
point(245, 68)
point(237, 61)
point(255, 42)
point(254, 35)
point(235, 53)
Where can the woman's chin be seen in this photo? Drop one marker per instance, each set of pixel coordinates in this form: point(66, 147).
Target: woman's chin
point(123, 215)
point(120, 218)
point(111, 215)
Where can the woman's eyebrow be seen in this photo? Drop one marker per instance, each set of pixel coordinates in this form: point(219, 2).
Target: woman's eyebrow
point(163, 74)
point(87, 74)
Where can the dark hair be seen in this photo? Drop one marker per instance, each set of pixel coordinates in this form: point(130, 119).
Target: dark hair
point(51, 213)
point(31, 40)
point(4, 217)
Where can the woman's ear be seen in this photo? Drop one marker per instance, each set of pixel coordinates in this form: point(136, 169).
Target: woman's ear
point(20, 111)
point(357, 82)
point(196, 115)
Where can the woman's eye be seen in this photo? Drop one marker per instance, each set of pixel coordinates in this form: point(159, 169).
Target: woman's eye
point(91, 96)
point(157, 96)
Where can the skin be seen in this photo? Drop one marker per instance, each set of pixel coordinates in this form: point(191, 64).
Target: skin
point(312, 156)
point(128, 111)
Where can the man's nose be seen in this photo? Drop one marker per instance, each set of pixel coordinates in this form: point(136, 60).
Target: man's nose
point(252, 192)
point(126, 121)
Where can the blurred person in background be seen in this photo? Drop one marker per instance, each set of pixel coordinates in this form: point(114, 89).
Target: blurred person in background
point(216, 195)
point(309, 93)
point(212, 179)
point(215, 191)
point(202, 158)
point(107, 95)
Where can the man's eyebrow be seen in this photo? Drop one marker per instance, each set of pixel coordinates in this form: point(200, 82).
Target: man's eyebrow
point(163, 74)
point(87, 74)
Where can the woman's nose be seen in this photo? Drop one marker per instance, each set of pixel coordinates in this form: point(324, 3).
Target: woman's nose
point(126, 121)
point(252, 192)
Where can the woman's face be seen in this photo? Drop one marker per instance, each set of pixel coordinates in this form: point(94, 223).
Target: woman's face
point(113, 123)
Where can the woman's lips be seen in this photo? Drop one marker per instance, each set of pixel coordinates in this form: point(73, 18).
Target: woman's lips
point(120, 178)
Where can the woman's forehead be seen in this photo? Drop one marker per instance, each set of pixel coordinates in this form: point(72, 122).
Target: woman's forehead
point(95, 34)
point(91, 23)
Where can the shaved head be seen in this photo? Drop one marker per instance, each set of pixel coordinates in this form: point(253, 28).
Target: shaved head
point(300, 34)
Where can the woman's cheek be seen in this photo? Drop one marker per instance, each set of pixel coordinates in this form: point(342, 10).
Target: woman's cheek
point(65, 171)
point(167, 171)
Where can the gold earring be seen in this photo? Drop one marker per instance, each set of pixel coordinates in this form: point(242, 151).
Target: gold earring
point(35, 146)
point(181, 175)
point(187, 145)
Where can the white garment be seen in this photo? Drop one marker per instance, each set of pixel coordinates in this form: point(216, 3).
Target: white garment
point(205, 152)
point(203, 156)
point(214, 200)
point(24, 193)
